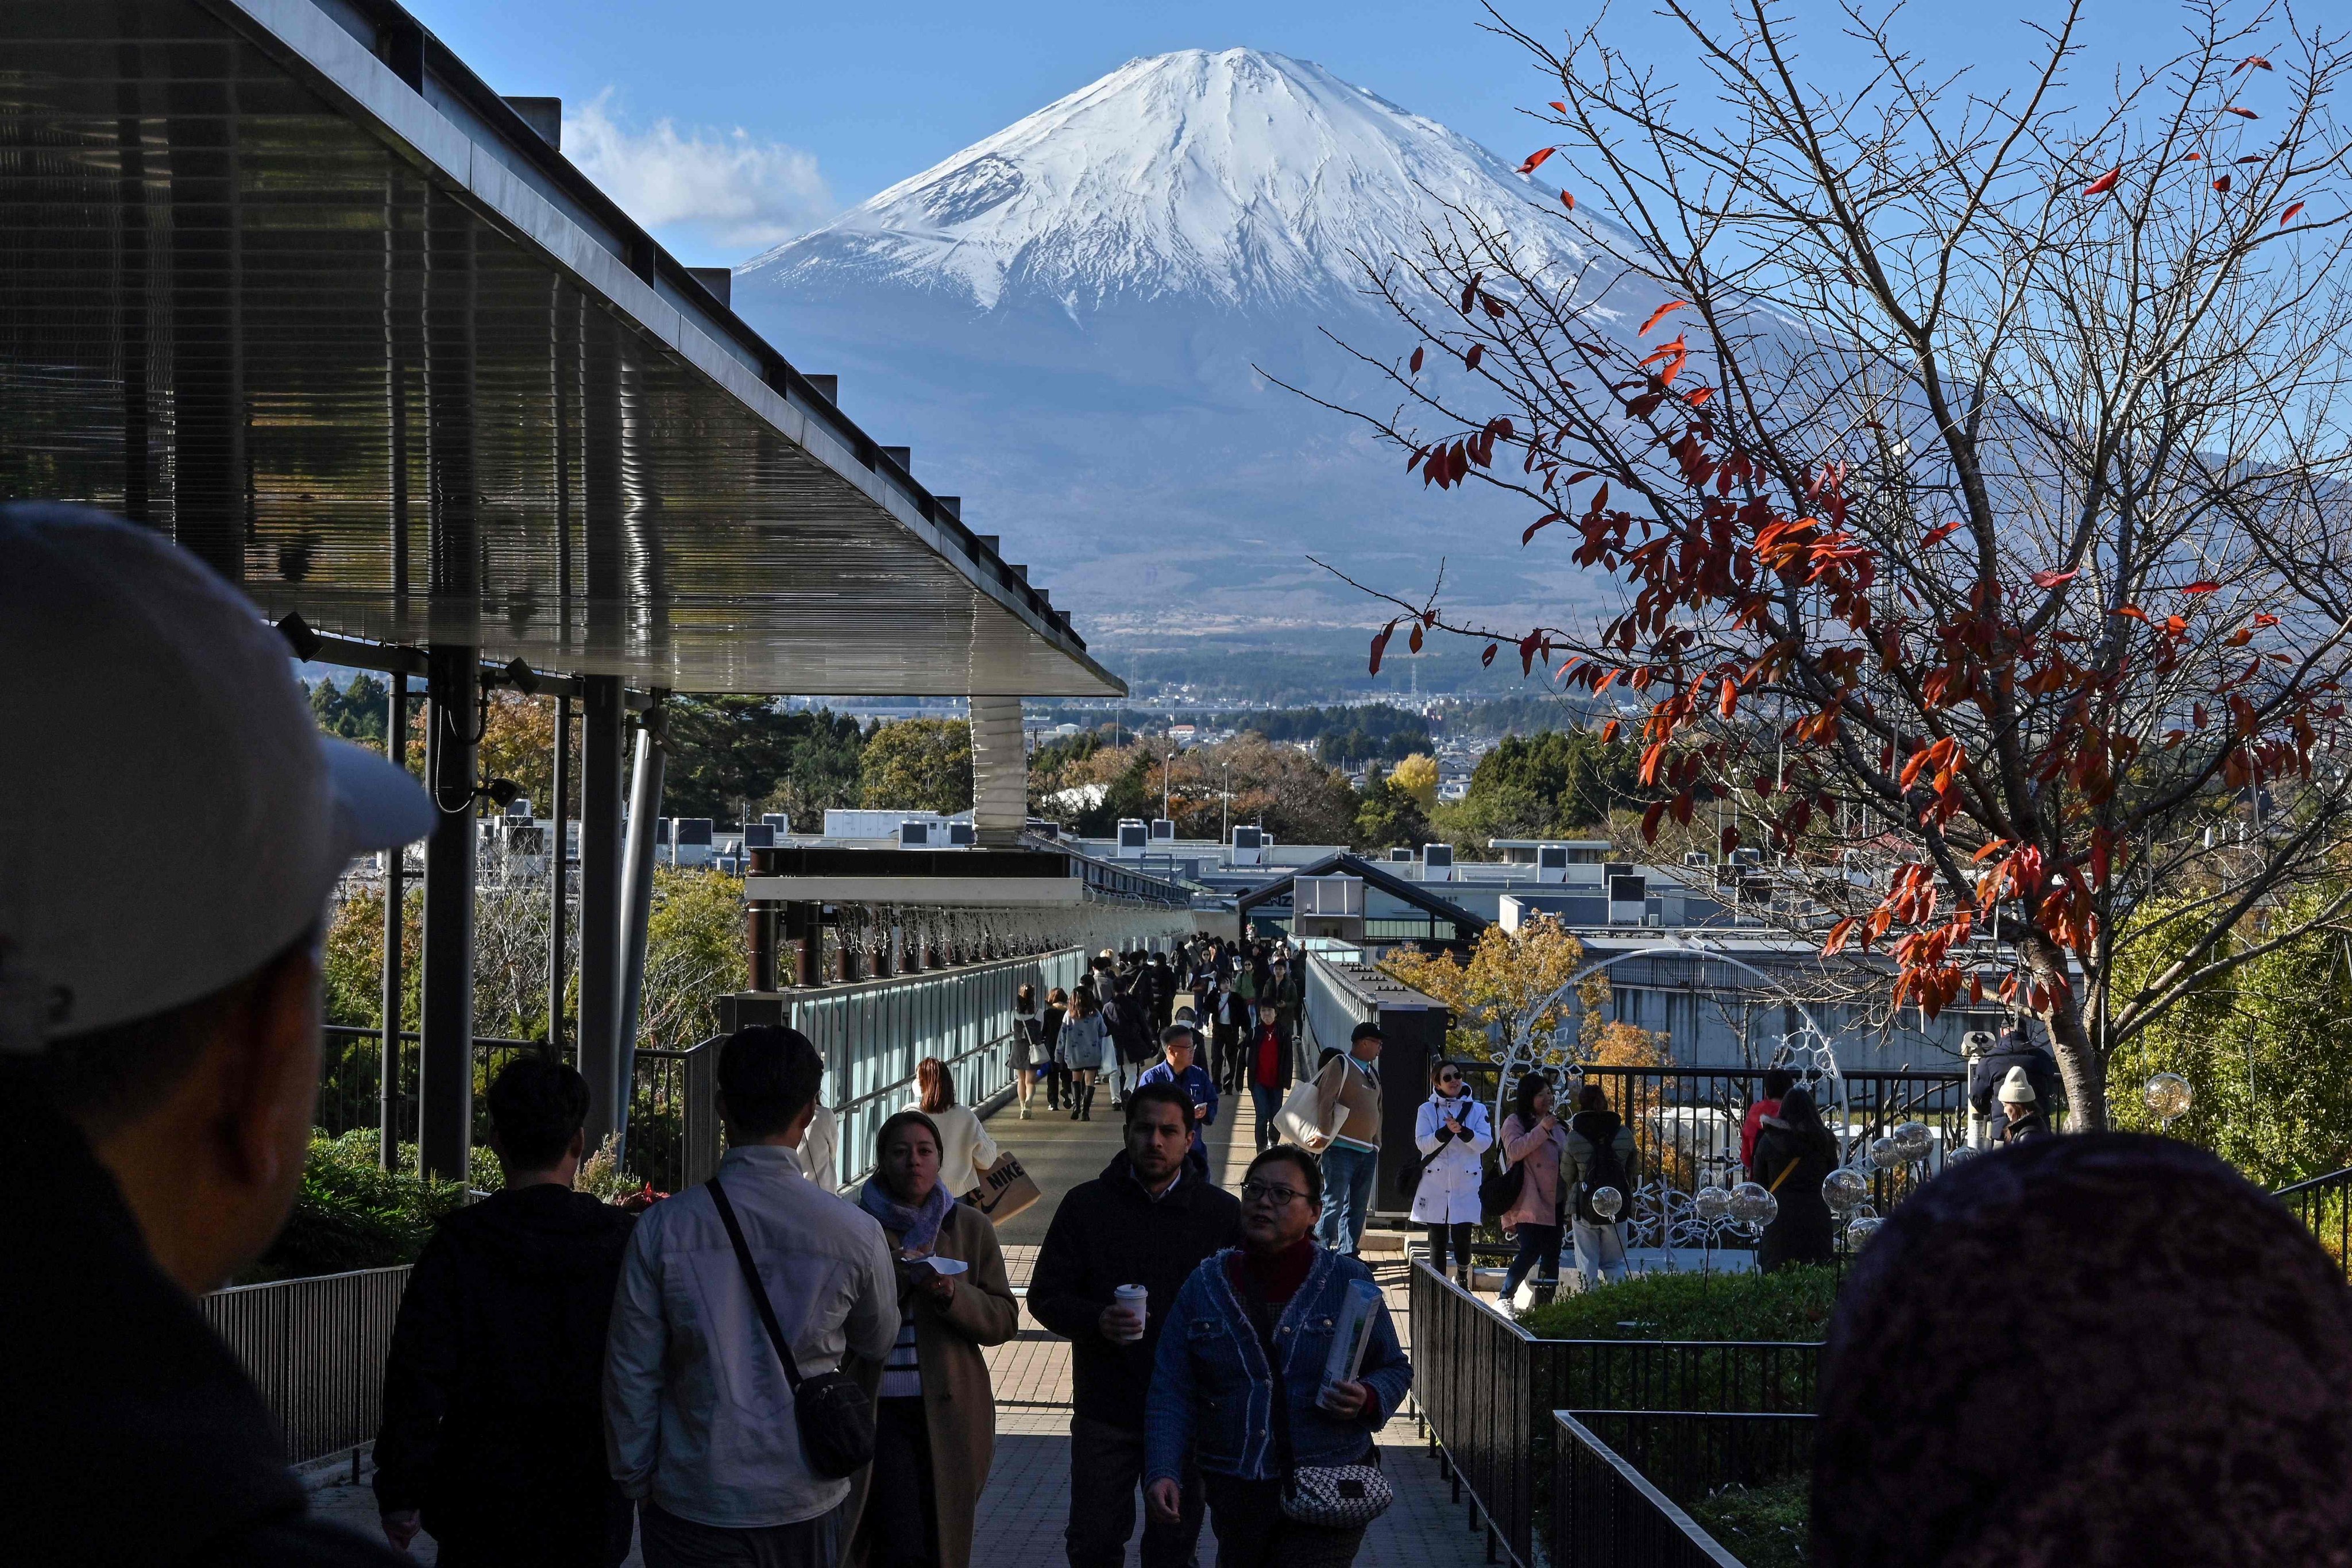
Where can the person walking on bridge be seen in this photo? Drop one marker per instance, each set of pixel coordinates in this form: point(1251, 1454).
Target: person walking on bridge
point(1146, 1223)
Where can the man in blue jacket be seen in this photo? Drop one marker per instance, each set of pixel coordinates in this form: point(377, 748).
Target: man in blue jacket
point(1176, 1065)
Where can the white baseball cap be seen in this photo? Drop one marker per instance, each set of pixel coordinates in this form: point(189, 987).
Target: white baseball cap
point(170, 817)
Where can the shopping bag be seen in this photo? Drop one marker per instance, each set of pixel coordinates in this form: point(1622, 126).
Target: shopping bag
point(1299, 1122)
point(1004, 1190)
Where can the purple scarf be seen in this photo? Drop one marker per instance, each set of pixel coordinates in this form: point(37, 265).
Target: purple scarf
point(915, 1224)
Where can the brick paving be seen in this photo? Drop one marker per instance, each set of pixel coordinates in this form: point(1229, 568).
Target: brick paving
point(1026, 1505)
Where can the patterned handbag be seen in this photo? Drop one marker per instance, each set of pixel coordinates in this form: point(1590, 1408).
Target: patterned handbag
point(1320, 1496)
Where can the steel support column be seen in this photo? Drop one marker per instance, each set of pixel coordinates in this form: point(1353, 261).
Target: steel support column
point(395, 910)
point(557, 878)
point(637, 901)
point(601, 737)
point(445, 1068)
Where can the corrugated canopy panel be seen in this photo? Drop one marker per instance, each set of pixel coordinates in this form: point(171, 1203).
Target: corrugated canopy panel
point(334, 334)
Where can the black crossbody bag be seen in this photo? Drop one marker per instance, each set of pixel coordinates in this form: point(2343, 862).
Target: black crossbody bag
point(835, 1415)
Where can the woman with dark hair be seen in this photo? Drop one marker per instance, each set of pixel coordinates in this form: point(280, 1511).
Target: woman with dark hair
point(967, 1151)
point(935, 1428)
point(1056, 1070)
point(2105, 1350)
point(1600, 1149)
point(1027, 1046)
point(1453, 1132)
point(1534, 1141)
point(1237, 1384)
point(1793, 1152)
point(1081, 1045)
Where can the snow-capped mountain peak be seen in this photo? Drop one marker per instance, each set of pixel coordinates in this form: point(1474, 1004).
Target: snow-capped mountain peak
point(1234, 176)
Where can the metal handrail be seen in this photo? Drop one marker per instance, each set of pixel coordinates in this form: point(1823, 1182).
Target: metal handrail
point(2342, 1178)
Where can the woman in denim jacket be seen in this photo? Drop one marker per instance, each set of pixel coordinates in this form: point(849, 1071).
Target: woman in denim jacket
point(1210, 1388)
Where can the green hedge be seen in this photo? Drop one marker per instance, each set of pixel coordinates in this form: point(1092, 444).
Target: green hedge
point(351, 1215)
point(1764, 1527)
point(1789, 1304)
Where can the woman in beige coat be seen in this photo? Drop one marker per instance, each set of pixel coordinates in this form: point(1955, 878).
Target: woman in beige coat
point(935, 1429)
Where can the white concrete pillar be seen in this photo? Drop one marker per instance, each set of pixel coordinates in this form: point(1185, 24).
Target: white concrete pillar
point(1000, 771)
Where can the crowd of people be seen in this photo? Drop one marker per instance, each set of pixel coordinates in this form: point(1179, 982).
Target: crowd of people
point(765, 1371)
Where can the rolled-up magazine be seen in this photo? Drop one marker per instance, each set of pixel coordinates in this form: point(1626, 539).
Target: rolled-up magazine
point(1351, 1332)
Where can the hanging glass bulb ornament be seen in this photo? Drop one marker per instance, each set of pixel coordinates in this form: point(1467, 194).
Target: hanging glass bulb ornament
point(1884, 1154)
point(1958, 1152)
point(1749, 1202)
point(1866, 1211)
point(1860, 1229)
point(1912, 1140)
point(1770, 1210)
point(2168, 1096)
point(1607, 1202)
point(1845, 1188)
point(1713, 1205)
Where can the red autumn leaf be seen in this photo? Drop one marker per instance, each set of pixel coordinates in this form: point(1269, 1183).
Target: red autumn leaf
point(2222, 184)
point(2202, 586)
point(1488, 657)
point(1568, 201)
point(1416, 362)
point(2192, 157)
point(1414, 641)
point(2266, 620)
point(1838, 934)
point(1729, 699)
point(2288, 216)
point(1559, 105)
point(2104, 183)
point(1536, 158)
point(1380, 645)
point(2254, 60)
point(2132, 612)
point(1540, 523)
point(1937, 534)
point(1470, 361)
point(1470, 291)
point(2052, 579)
point(1698, 396)
point(1608, 731)
point(2241, 113)
point(1660, 314)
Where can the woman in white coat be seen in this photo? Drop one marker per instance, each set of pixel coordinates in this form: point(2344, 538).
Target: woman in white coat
point(1453, 1132)
point(966, 1151)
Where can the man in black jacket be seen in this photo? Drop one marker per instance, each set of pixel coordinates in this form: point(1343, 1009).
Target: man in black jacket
point(493, 1431)
point(2015, 1048)
point(159, 1055)
point(1147, 1220)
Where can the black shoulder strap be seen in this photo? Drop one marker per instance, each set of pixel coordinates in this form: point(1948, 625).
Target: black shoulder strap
point(752, 1277)
point(1261, 1317)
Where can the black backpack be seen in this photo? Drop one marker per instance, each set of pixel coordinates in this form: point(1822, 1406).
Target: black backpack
point(1599, 1128)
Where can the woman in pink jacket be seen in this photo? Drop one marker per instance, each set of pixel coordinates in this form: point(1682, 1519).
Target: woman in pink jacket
point(1534, 1141)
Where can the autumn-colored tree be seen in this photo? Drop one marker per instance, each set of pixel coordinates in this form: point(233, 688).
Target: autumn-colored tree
point(1417, 776)
point(1388, 816)
point(1973, 467)
point(918, 765)
point(1280, 787)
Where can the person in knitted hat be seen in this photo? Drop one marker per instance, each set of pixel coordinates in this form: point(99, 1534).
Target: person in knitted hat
point(2105, 1350)
point(2022, 1108)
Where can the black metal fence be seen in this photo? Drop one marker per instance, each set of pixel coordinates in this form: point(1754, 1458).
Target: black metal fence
point(316, 1349)
point(1622, 1480)
point(2323, 1204)
point(1487, 1388)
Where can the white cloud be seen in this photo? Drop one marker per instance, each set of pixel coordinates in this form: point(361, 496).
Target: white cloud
point(724, 189)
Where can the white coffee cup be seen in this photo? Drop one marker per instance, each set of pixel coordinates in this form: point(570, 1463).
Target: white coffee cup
point(1132, 1298)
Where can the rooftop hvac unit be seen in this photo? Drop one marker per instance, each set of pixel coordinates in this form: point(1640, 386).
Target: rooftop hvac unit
point(1163, 830)
point(1629, 900)
point(1134, 837)
point(1748, 856)
point(914, 836)
point(1613, 869)
point(1698, 857)
point(1326, 897)
point(758, 836)
point(1437, 862)
point(778, 823)
point(1045, 828)
point(960, 835)
point(693, 832)
point(1249, 846)
point(1401, 854)
point(518, 809)
point(1552, 862)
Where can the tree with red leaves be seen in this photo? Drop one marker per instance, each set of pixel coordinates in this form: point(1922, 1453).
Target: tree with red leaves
point(1974, 481)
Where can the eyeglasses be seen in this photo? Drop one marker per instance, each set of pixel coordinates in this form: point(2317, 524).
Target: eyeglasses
point(1254, 1192)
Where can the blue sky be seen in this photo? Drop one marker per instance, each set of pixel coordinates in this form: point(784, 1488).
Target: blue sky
point(726, 125)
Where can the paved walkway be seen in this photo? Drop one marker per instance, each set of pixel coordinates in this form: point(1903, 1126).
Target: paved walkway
point(1026, 1505)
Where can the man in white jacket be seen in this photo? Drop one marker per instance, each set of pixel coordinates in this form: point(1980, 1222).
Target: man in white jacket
point(699, 1414)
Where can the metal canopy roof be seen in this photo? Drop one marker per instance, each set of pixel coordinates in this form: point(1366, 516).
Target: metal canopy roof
point(287, 281)
point(1416, 894)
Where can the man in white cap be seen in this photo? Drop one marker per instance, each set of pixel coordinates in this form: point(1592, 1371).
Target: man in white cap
point(158, 1034)
point(2019, 1105)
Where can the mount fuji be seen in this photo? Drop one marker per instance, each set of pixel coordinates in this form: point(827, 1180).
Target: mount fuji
point(1074, 323)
